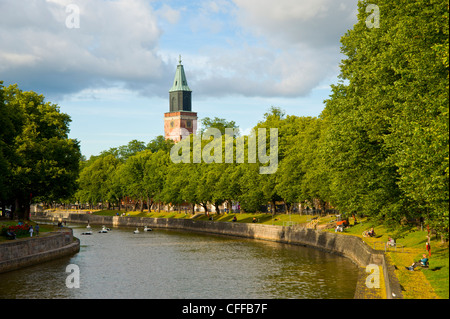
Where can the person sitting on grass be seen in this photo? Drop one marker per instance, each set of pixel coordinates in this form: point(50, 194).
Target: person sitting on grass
point(423, 262)
point(390, 242)
point(10, 235)
point(371, 232)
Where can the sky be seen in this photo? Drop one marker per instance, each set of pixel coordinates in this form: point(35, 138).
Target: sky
point(109, 64)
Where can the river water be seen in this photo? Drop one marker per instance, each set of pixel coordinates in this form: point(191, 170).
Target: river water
point(167, 264)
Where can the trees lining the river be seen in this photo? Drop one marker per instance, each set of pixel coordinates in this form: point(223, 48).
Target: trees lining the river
point(380, 146)
point(154, 178)
point(387, 120)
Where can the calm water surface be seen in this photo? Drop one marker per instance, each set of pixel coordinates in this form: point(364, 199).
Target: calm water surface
point(176, 264)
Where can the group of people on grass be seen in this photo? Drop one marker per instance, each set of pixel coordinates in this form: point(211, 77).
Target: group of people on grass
point(391, 242)
point(11, 233)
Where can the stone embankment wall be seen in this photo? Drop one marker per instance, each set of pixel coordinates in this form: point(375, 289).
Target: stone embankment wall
point(344, 245)
point(25, 252)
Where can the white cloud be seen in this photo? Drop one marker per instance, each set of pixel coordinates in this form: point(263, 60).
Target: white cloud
point(18, 59)
point(318, 23)
point(259, 71)
point(169, 14)
point(229, 47)
point(117, 41)
point(283, 48)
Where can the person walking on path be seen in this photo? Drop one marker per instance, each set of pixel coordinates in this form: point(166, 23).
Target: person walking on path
point(31, 231)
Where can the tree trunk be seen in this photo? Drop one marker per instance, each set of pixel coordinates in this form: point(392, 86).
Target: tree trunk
point(22, 209)
point(216, 206)
point(205, 206)
point(272, 203)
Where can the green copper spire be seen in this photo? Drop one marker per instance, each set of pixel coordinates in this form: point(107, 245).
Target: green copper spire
point(180, 82)
point(180, 95)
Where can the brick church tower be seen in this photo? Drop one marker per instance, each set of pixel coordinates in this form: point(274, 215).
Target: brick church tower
point(180, 101)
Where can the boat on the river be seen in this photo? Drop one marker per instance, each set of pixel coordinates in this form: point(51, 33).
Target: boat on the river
point(103, 230)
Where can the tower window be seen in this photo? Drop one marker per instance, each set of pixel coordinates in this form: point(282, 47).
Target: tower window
point(188, 124)
point(172, 104)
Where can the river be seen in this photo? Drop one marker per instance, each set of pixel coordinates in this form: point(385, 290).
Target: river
point(167, 264)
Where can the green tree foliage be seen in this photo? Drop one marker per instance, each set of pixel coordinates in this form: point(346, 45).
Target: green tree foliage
point(159, 143)
point(155, 175)
point(97, 180)
point(9, 128)
point(123, 152)
point(387, 121)
point(297, 179)
point(218, 123)
point(39, 161)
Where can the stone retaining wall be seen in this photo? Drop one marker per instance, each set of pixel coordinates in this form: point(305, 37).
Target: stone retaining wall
point(24, 252)
point(344, 245)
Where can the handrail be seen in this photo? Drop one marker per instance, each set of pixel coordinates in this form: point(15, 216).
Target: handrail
point(387, 245)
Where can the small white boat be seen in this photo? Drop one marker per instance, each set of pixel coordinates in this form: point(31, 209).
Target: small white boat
point(147, 229)
point(136, 231)
point(103, 230)
point(88, 226)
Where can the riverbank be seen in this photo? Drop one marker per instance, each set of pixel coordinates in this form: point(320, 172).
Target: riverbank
point(24, 252)
point(348, 246)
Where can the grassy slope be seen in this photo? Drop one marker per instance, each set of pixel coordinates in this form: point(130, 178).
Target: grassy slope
point(421, 283)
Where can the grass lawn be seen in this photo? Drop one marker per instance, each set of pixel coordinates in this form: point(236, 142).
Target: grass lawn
point(262, 218)
point(143, 214)
point(421, 283)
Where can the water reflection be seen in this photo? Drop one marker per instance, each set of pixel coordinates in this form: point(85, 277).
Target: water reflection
point(177, 264)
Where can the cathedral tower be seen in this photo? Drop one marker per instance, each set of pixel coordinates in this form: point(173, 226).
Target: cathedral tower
point(180, 102)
